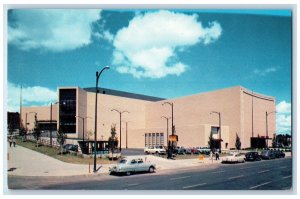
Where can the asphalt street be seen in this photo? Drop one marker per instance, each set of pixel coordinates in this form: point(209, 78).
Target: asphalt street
point(262, 175)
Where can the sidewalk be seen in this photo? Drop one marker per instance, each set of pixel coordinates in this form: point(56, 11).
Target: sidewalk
point(31, 163)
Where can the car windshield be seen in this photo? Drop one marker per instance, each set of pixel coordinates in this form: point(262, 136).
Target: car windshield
point(123, 161)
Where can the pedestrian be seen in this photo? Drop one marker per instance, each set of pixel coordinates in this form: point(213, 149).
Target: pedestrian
point(10, 141)
point(211, 155)
point(217, 155)
point(14, 141)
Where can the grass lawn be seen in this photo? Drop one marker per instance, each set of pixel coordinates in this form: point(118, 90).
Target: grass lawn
point(69, 158)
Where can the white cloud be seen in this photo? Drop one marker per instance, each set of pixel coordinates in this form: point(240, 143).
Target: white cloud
point(106, 35)
point(52, 29)
point(30, 95)
point(265, 71)
point(283, 107)
point(283, 117)
point(148, 46)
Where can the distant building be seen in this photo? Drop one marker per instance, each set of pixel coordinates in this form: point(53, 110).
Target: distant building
point(242, 113)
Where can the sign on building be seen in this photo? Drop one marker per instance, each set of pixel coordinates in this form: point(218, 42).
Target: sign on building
point(173, 138)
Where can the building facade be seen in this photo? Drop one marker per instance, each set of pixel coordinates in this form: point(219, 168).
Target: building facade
point(238, 111)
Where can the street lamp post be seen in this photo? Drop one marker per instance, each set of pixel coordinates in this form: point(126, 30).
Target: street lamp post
point(120, 113)
point(83, 118)
point(26, 120)
point(220, 135)
point(95, 137)
point(51, 123)
point(126, 135)
point(267, 136)
point(170, 149)
point(167, 118)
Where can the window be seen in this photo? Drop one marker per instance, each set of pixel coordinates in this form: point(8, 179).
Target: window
point(133, 161)
point(161, 139)
point(123, 161)
point(153, 139)
point(67, 110)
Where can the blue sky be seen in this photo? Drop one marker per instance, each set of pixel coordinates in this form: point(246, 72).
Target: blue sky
point(163, 53)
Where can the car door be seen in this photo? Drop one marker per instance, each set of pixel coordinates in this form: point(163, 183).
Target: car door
point(140, 165)
point(133, 165)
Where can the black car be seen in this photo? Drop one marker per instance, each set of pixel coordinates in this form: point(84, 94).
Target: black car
point(70, 147)
point(279, 154)
point(252, 156)
point(267, 155)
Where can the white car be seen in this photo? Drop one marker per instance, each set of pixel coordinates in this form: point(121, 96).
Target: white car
point(155, 150)
point(132, 165)
point(234, 158)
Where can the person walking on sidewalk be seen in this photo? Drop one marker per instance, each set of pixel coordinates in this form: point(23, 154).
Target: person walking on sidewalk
point(10, 141)
point(14, 141)
point(217, 155)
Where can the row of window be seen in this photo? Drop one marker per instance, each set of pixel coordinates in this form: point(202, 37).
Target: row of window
point(154, 139)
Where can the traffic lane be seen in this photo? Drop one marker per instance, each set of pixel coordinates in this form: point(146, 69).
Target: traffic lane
point(195, 179)
point(247, 179)
point(160, 180)
point(173, 181)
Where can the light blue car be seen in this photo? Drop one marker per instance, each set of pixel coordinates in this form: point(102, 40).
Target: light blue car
point(132, 165)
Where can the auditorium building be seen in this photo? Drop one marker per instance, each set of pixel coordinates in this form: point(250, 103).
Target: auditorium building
point(223, 114)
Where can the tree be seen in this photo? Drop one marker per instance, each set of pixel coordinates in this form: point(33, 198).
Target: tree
point(23, 133)
point(210, 142)
point(10, 128)
point(37, 132)
point(113, 140)
point(238, 142)
point(61, 138)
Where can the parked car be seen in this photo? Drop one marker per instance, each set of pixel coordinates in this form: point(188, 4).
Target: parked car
point(252, 156)
point(155, 150)
point(234, 158)
point(132, 165)
point(204, 150)
point(267, 155)
point(179, 151)
point(188, 151)
point(279, 154)
point(70, 147)
point(194, 150)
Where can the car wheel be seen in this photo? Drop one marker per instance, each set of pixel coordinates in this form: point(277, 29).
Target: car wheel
point(151, 169)
point(128, 173)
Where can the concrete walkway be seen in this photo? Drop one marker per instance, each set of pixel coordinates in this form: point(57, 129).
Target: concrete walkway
point(31, 163)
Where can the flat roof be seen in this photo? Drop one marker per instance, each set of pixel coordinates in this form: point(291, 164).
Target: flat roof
point(123, 94)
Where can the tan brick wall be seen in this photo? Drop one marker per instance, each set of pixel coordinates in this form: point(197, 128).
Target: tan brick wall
point(261, 105)
point(192, 112)
point(192, 116)
point(43, 113)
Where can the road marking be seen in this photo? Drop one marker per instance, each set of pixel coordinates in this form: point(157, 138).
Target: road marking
point(218, 172)
point(245, 168)
point(130, 185)
point(196, 185)
point(263, 171)
point(260, 185)
point(283, 167)
point(180, 178)
point(286, 177)
point(235, 177)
